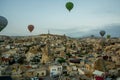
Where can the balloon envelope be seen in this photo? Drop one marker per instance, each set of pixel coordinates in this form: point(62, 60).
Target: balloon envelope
point(69, 5)
point(3, 23)
point(102, 33)
point(30, 28)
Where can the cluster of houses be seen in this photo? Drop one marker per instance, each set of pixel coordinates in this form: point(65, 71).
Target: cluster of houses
point(58, 57)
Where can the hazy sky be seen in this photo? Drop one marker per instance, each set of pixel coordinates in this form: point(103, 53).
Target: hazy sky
point(86, 18)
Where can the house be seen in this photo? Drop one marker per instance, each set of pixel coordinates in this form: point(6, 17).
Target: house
point(40, 72)
point(115, 59)
point(113, 72)
point(34, 78)
point(90, 66)
point(7, 47)
point(82, 62)
point(74, 68)
point(29, 73)
point(55, 70)
point(34, 66)
point(81, 72)
point(98, 73)
point(69, 68)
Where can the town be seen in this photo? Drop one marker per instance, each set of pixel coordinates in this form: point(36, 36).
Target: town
point(59, 57)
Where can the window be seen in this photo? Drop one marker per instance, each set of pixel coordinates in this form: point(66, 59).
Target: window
point(59, 68)
point(53, 69)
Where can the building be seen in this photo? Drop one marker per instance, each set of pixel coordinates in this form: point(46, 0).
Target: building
point(40, 72)
point(55, 70)
point(81, 72)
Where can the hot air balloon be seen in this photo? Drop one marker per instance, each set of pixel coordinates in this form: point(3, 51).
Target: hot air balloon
point(3, 23)
point(102, 33)
point(69, 5)
point(30, 28)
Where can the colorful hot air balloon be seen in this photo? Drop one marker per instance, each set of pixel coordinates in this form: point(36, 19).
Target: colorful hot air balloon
point(30, 28)
point(102, 33)
point(3, 23)
point(69, 5)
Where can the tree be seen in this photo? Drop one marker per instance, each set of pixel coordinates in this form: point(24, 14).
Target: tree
point(68, 54)
point(61, 60)
point(108, 36)
point(21, 60)
point(35, 59)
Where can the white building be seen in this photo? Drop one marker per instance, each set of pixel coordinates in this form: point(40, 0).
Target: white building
point(55, 70)
point(81, 72)
point(34, 78)
point(98, 73)
point(7, 47)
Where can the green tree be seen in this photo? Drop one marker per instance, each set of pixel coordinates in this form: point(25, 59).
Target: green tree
point(68, 54)
point(61, 60)
point(21, 60)
point(108, 36)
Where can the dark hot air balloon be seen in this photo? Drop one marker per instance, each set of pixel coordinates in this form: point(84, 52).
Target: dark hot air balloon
point(3, 23)
point(30, 28)
point(69, 5)
point(102, 33)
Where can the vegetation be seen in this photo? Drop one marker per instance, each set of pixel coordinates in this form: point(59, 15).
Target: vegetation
point(61, 60)
point(68, 54)
point(108, 36)
point(36, 59)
